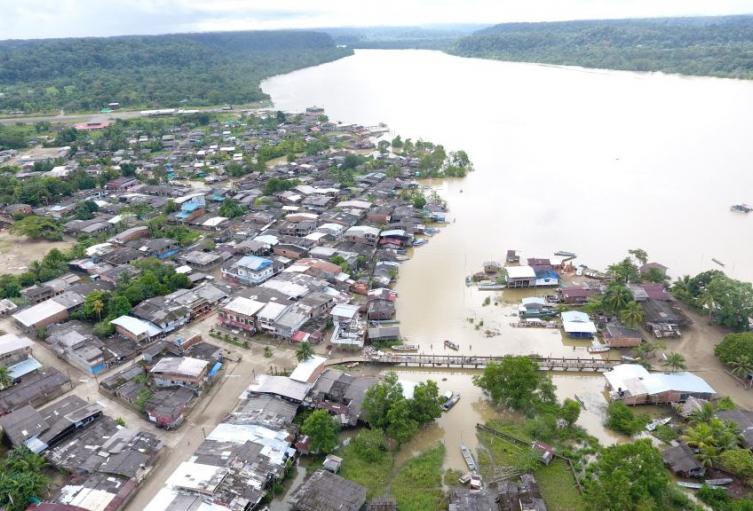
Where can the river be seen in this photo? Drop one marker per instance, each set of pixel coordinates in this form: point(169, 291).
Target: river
point(591, 161)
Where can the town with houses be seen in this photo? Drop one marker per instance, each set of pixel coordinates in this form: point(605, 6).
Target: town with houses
point(159, 350)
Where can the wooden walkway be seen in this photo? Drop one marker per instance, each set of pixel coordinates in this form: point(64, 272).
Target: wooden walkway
point(591, 364)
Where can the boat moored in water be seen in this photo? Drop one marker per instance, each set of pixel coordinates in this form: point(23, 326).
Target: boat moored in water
point(451, 345)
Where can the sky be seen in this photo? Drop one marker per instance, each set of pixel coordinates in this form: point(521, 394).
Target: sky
point(27, 19)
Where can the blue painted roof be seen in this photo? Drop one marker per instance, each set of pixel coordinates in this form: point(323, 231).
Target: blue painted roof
point(255, 263)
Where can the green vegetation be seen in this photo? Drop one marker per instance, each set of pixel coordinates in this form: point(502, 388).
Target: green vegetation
point(736, 350)
point(159, 228)
point(21, 479)
point(719, 500)
point(322, 431)
point(152, 71)
point(517, 383)
point(44, 190)
point(387, 409)
point(231, 209)
point(372, 470)
point(5, 378)
point(711, 438)
point(276, 185)
point(629, 477)
point(38, 227)
point(49, 267)
point(433, 159)
point(155, 279)
point(304, 351)
point(555, 480)
point(621, 418)
point(728, 302)
point(715, 46)
point(418, 484)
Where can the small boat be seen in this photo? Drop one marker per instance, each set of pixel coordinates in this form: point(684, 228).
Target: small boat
point(580, 401)
point(451, 345)
point(651, 426)
point(717, 261)
point(468, 457)
point(719, 482)
point(698, 486)
point(490, 286)
point(741, 208)
point(691, 485)
point(598, 348)
point(451, 401)
point(468, 280)
point(476, 481)
point(418, 243)
point(405, 348)
point(626, 358)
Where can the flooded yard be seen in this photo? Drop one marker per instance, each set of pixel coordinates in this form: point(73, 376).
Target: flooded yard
point(458, 425)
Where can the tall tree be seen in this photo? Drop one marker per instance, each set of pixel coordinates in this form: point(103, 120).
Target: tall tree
point(617, 297)
point(632, 314)
point(426, 403)
point(629, 477)
point(675, 362)
point(517, 383)
point(322, 431)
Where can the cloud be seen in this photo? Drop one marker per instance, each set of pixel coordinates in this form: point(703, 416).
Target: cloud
point(68, 18)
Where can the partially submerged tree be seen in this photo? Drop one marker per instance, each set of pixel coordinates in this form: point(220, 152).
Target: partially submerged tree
point(517, 383)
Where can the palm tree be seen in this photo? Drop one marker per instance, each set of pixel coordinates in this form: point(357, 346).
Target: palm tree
point(5, 378)
point(304, 351)
point(701, 436)
point(632, 314)
point(681, 288)
point(674, 361)
point(742, 366)
point(98, 306)
point(704, 414)
point(617, 297)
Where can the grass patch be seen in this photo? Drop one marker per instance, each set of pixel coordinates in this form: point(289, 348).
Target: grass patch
point(665, 433)
point(374, 475)
point(418, 484)
point(386, 344)
point(558, 487)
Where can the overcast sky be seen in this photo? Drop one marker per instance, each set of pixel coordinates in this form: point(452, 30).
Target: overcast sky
point(23, 19)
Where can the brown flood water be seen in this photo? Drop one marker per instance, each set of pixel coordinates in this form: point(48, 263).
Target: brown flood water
point(590, 161)
point(458, 425)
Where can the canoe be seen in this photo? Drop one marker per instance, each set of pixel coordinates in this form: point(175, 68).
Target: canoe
point(468, 457)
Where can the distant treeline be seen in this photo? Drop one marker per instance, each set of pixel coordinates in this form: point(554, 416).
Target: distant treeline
point(438, 37)
point(152, 71)
point(714, 46)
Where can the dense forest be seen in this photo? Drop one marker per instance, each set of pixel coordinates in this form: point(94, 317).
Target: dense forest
point(715, 46)
point(86, 74)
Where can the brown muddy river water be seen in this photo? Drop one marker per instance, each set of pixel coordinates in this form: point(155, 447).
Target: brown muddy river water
point(589, 161)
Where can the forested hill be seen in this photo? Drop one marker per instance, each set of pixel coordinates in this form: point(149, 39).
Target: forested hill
point(714, 46)
point(152, 71)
